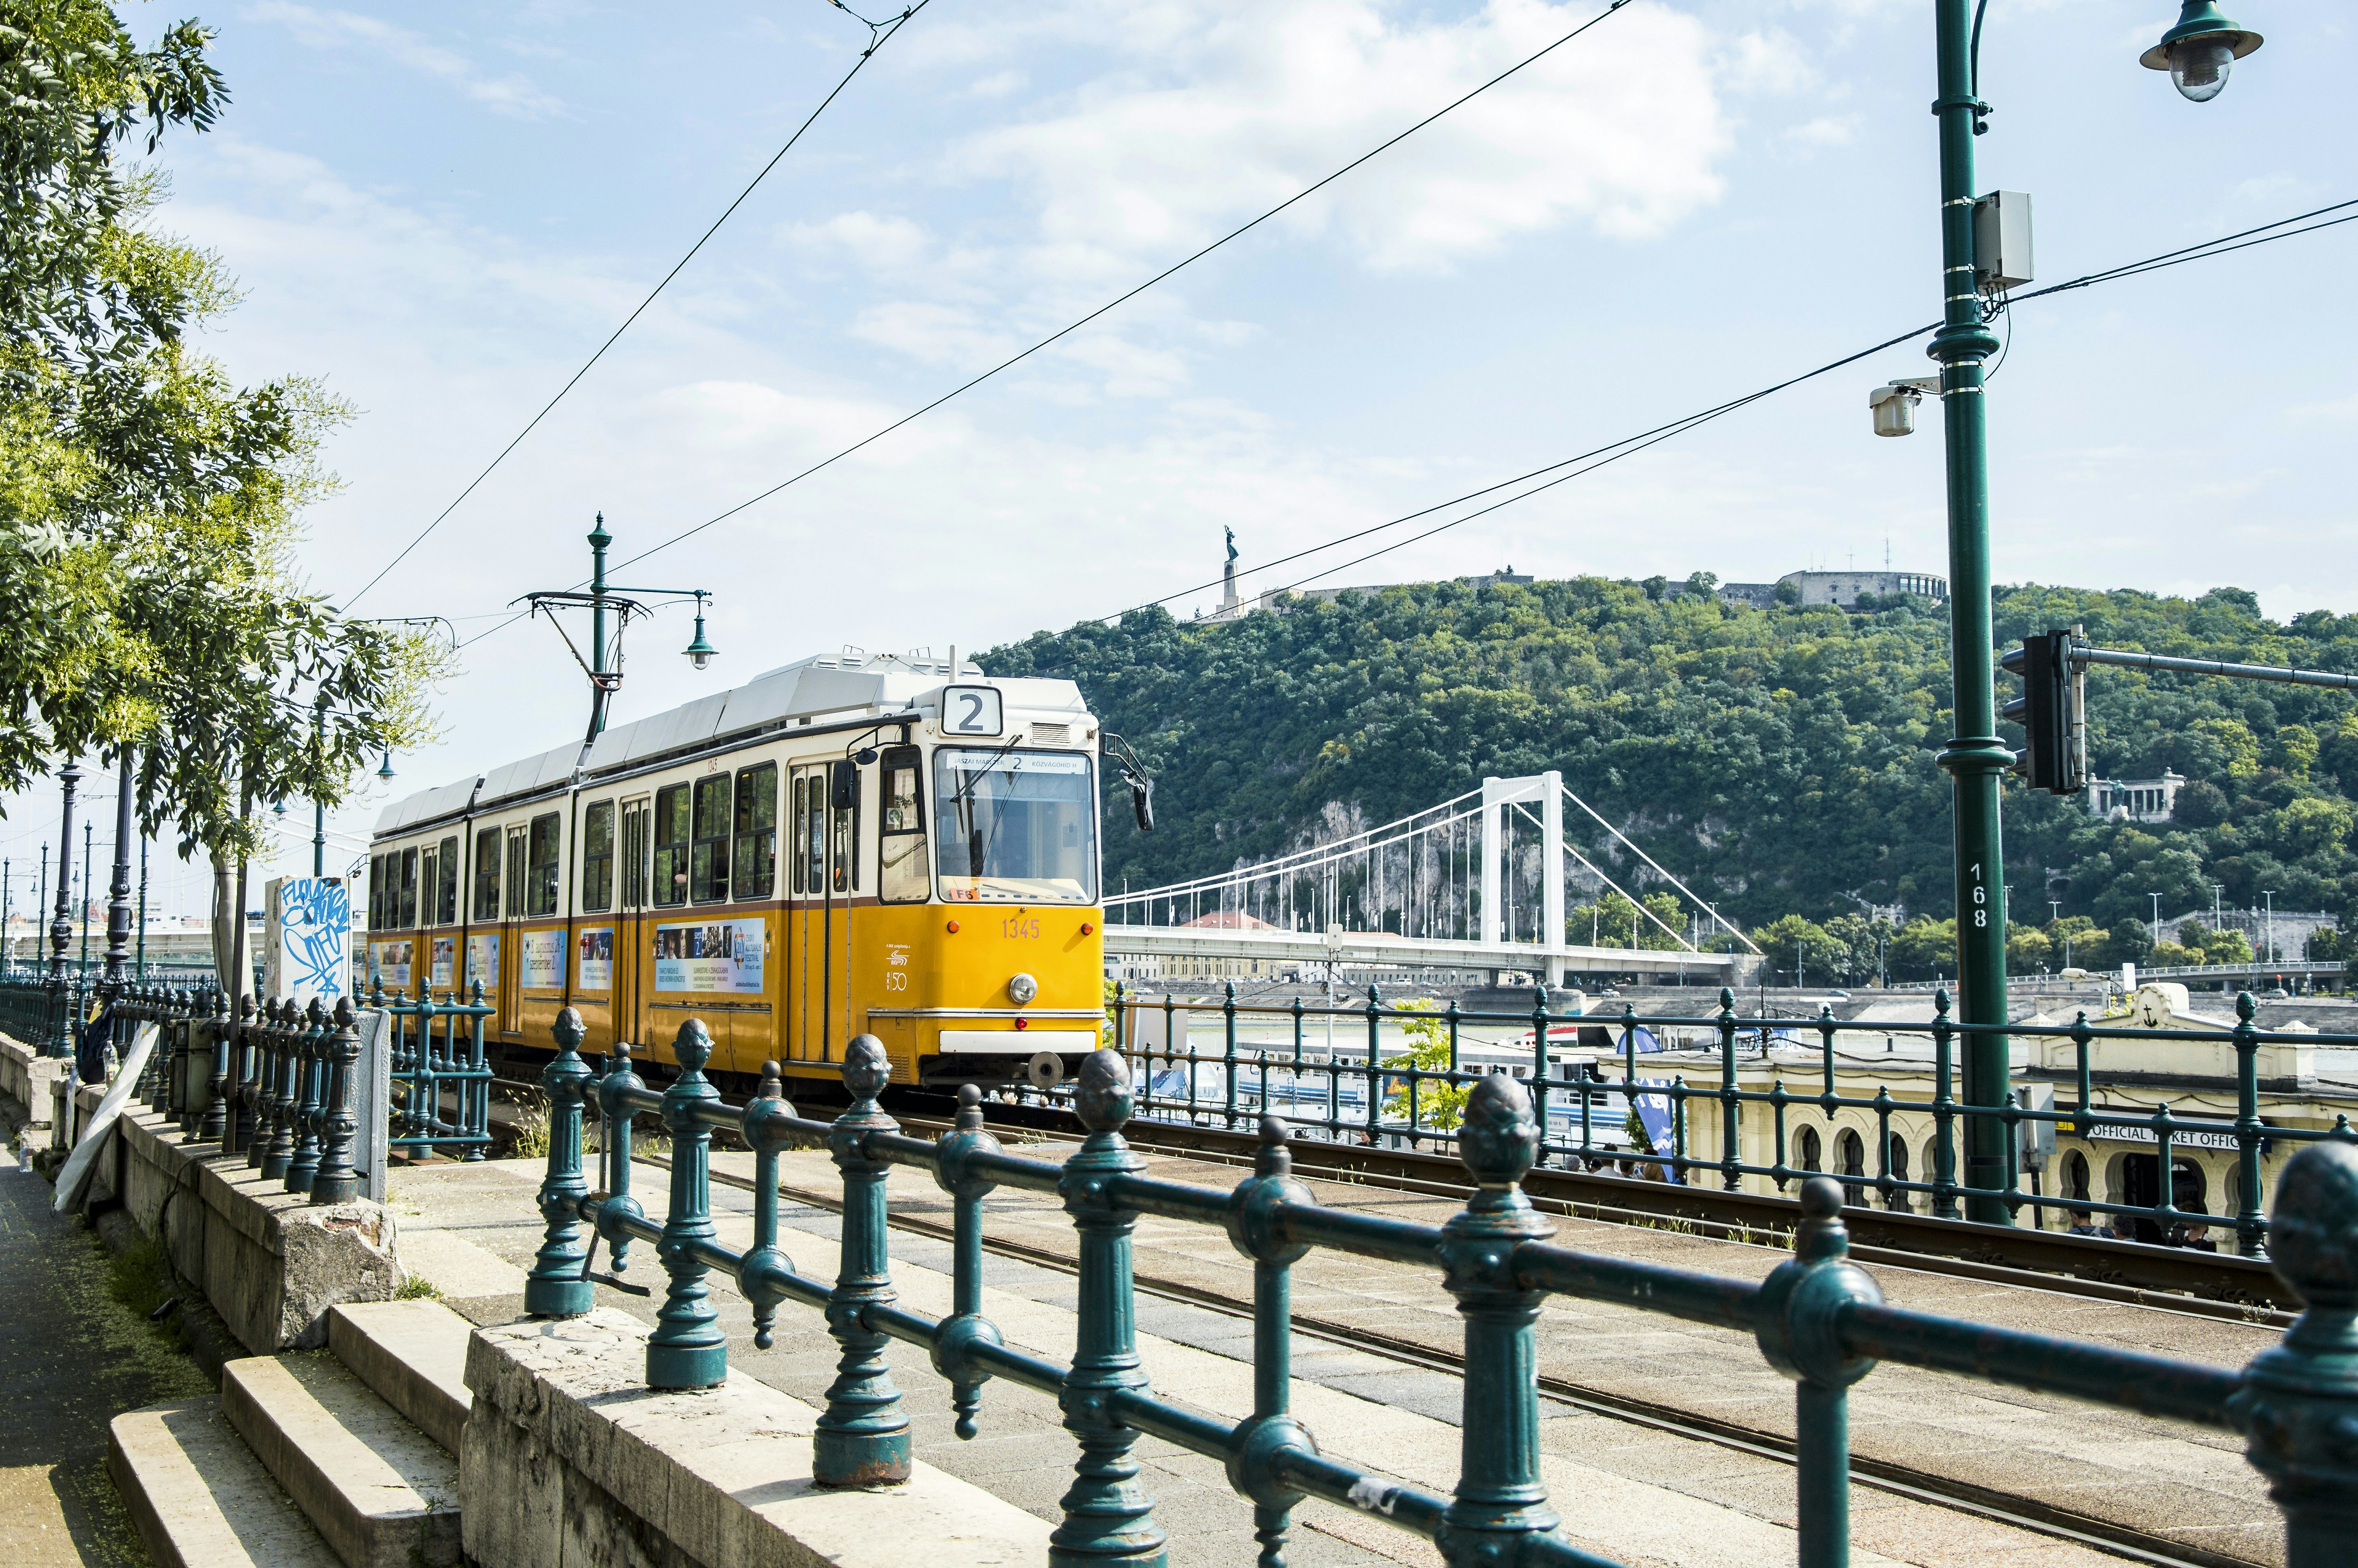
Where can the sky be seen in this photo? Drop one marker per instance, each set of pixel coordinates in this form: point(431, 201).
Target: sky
point(440, 210)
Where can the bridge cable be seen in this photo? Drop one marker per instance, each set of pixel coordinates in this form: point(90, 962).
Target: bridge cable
point(879, 37)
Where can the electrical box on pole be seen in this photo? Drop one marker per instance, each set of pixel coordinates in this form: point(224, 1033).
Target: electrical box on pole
point(2002, 240)
point(2052, 711)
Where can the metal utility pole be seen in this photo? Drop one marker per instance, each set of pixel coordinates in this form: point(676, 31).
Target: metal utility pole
point(1975, 759)
point(61, 930)
point(41, 902)
point(602, 597)
point(2216, 889)
point(140, 959)
point(118, 889)
point(2269, 893)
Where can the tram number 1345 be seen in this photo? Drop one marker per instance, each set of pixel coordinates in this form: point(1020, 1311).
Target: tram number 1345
point(1023, 926)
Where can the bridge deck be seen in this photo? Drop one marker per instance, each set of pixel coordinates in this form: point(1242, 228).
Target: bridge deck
point(1641, 1493)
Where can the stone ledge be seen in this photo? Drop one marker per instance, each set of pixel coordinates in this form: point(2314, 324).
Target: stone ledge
point(270, 1261)
point(30, 1078)
point(568, 1460)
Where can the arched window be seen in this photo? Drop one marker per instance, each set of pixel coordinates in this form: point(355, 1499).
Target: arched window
point(1897, 1199)
point(2076, 1176)
point(1850, 1158)
point(1808, 1143)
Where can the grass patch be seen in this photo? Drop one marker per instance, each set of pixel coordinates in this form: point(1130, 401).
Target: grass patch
point(140, 1279)
point(418, 1288)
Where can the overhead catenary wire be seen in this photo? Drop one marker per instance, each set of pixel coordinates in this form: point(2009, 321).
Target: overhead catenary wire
point(1612, 451)
point(1631, 445)
point(1113, 303)
point(879, 35)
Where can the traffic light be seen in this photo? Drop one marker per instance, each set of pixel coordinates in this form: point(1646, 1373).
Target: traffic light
point(2052, 711)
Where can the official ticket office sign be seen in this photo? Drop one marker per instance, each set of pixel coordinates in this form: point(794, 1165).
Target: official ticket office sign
point(2187, 1133)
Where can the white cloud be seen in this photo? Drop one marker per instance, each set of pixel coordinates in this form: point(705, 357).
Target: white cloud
point(512, 96)
point(1236, 106)
point(869, 238)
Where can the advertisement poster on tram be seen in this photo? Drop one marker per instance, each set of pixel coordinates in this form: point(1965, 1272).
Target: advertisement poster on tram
point(441, 972)
point(483, 962)
point(718, 955)
point(389, 965)
point(540, 957)
point(596, 961)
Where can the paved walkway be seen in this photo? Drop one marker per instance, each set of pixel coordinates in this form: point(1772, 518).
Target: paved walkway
point(1636, 1493)
point(71, 1358)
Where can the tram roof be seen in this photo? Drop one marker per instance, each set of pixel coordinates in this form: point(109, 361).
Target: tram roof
point(809, 689)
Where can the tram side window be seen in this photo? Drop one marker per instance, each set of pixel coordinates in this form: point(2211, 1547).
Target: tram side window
point(544, 887)
point(803, 875)
point(671, 844)
point(635, 854)
point(487, 875)
point(902, 874)
point(516, 873)
point(445, 890)
point(707, 865)
point(376, 892)
point(756, 855)
point(843, 828)
point(598, 856)
point(406, 917)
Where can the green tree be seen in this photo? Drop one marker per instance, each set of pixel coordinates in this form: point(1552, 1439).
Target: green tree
point(2029, 950)
point(1439, 1105)
point(148, 504)
point(1793, 945)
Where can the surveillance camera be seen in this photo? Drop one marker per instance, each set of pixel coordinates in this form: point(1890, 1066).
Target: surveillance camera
point(1895, 405)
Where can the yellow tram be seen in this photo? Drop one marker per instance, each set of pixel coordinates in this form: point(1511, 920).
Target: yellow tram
point(853, 845)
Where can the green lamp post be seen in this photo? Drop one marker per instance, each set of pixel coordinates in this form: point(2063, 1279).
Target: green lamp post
point(2197, 53)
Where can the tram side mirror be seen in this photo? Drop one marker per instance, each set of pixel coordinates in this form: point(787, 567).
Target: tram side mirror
point(843, 779)
point(1142, 803)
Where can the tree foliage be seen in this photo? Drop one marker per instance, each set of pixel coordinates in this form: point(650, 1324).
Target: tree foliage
point(1780, 760)
point(148, 504)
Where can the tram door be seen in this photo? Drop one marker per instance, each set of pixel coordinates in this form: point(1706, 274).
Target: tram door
point(807, 951)
point(633, 940)
point(512, 937)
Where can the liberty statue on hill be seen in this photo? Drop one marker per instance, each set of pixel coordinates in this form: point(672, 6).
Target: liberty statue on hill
point(1228, 573)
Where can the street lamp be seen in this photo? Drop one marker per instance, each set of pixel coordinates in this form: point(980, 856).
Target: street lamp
point(2199, 51)
point(604, 597)
point(1976, 758)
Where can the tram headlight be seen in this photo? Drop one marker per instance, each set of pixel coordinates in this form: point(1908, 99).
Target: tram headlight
point(1021, 990)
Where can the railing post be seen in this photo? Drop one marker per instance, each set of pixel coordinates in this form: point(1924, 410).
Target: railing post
point(556, 1288)
point(1373, 1080)
point(953, 1171)
point(763, 1273)
point(285, 1064)
point(1499, 1499)
point(214, 1127)
point(262, 1081)
point(687, 1349)
point(2298, 1407)
point(1944, 1111)
point(310, 1073)
point(478, 1119)
point(1540, 1065)
point(1109, 1518)
point(2251, 1225)
point(1798, 1329)
point(1228, 1055)
point(1258, 1230)
point(335, 1181)
point(1731, 1109)
point(862, 1438)
point(615, 1113)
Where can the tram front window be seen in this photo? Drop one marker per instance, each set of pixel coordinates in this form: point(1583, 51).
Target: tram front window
point(1015, 827)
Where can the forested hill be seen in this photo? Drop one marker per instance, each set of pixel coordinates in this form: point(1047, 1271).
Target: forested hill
point(1782, 759)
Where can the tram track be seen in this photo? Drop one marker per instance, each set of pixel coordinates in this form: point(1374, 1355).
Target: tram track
point(1901, 1480)
point(1421, 1176)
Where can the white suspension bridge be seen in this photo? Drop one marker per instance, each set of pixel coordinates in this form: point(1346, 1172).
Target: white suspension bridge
point(1477, 882)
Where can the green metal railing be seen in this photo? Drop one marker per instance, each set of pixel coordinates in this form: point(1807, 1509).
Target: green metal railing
point(1368, 1085)
point(1819, 1319)
point(441, 1077)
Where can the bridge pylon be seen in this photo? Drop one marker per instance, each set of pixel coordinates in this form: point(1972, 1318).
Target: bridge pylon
point(1497, 794)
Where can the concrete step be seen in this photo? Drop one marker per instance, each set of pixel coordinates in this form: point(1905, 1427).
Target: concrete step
point(381, 1492)
point(413, 1355)
point(199, 1497)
